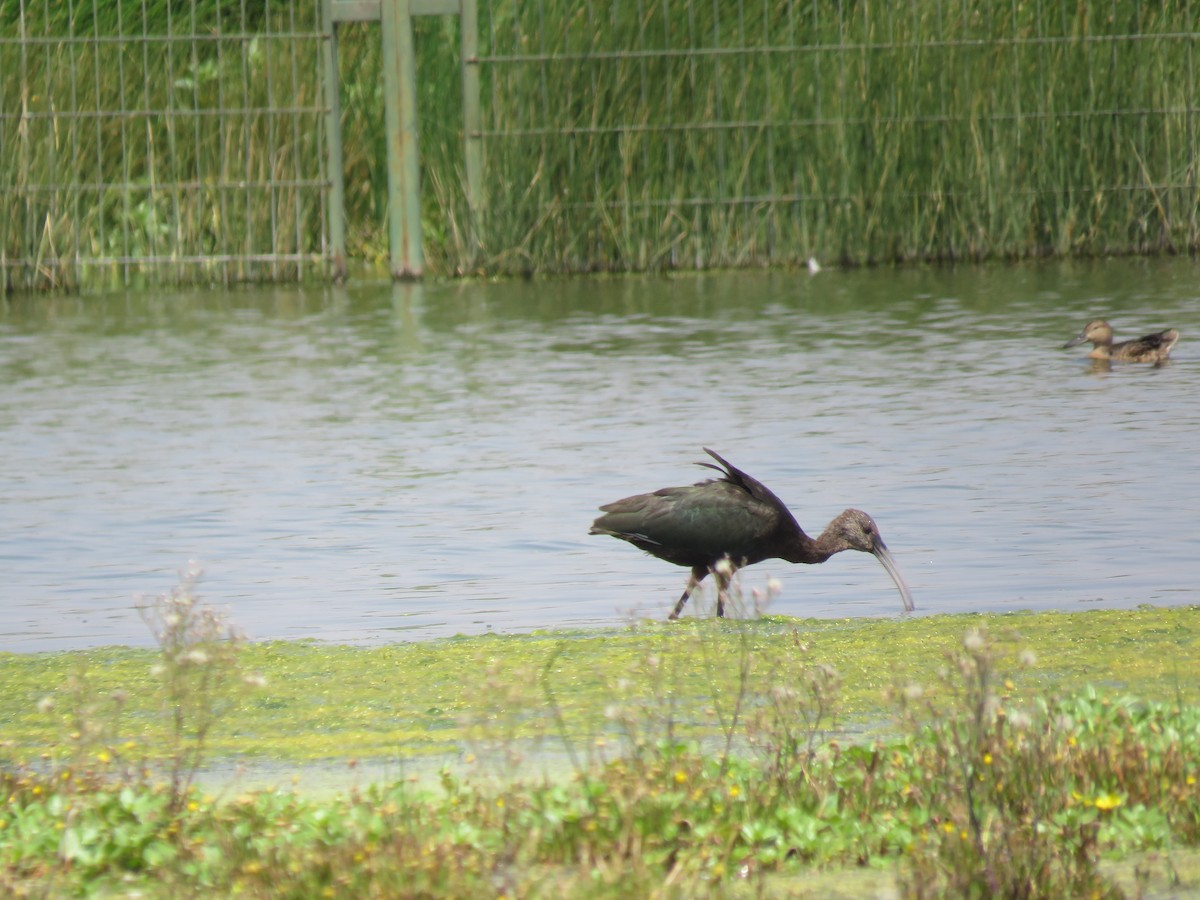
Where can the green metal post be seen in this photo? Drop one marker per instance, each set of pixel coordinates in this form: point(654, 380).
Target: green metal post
point(472, 124)
point(400, 122)
point(333, 145)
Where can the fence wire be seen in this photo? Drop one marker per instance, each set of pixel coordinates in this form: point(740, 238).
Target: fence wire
point(664, 133)
point(166, 140)
point(184, 139)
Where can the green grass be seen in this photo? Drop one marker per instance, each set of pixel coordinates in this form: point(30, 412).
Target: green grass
point(426, 699)
point(656, 136)
point(991, 755)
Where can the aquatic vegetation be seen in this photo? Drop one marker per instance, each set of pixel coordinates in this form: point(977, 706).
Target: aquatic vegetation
point(1021, 800)
point(703, 757)
point(971, 791)
point(429, 699)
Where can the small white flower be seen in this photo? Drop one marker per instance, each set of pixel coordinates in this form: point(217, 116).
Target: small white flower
point(723, 567)
point(45, 705)
point(974, 641)
point(1019, 720)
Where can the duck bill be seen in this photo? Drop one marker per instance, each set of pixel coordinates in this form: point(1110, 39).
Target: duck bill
point(1075, 341)
point(884, 556)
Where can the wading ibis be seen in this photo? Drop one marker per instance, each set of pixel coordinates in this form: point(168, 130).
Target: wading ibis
point(735, 518)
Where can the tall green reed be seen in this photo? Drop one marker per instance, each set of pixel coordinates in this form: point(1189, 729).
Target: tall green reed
point(655, 136)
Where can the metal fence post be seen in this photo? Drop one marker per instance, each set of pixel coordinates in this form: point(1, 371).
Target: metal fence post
point(472, 124)
point(400, 123)
point(333, 144)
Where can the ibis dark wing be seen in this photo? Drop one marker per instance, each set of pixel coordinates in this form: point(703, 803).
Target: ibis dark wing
point(752, 486)
point(694, 525)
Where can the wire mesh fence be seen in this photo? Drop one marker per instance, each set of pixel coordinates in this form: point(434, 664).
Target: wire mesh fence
point(184, 139)
point(179, 141)
point(665, 133)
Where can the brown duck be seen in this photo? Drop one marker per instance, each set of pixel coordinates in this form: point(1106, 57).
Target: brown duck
point(1150, 348)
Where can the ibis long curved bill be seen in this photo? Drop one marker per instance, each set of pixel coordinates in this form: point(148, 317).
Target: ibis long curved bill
point(884, 555)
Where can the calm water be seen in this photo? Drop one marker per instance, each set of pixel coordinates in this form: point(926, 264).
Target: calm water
point(383, 463)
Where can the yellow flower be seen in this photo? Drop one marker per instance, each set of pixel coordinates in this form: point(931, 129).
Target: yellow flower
point(987, 759)
point(734, 791)
point(948, 828)
point(1107, 802)
point(680, 777)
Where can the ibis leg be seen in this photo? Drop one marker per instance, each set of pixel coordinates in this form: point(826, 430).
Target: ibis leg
point(694, 579)
point(722, 593)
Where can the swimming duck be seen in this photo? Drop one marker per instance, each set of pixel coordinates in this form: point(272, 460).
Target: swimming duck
point(1150, 348)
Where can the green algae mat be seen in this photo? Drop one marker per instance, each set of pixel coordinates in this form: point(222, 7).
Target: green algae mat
point(305, 702)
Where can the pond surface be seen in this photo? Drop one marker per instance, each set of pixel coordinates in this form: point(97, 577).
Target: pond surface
point(383, 463)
